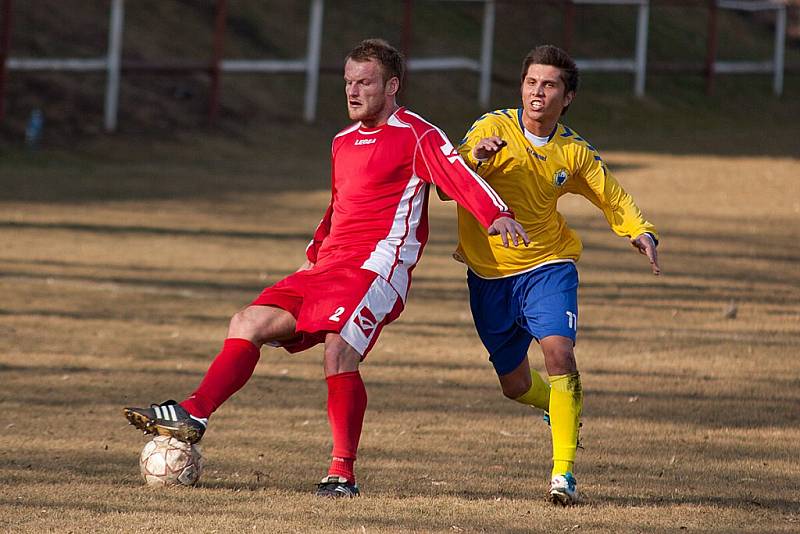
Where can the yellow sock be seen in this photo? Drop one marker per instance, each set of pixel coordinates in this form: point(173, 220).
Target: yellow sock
point(539, 394)
point(566, 402)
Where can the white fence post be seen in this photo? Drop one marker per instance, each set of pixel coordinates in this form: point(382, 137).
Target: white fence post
point(638, 64)
point(641, 48)
point(312, 59)
point(775, 66)
point(487, 42)
point(113, 63)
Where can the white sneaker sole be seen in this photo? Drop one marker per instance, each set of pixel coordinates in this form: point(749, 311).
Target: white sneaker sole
point(562, 498)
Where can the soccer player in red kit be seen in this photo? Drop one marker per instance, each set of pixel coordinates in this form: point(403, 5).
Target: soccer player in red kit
point(358, 269)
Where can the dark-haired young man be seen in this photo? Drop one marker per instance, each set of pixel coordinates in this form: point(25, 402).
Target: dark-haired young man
point(521, 294)
point(359, 262)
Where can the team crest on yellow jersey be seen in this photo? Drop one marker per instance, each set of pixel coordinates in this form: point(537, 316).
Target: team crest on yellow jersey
point(560, 177)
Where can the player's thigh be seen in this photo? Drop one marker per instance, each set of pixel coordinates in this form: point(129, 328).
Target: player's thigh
point(495, 317)
point(549, 302)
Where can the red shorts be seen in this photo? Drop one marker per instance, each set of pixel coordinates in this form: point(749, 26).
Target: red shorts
point(352, 302)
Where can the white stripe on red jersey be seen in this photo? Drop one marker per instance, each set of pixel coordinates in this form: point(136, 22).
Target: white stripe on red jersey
point(400, 250)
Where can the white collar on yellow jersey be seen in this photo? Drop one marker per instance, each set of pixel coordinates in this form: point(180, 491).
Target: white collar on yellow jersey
point(534, 139)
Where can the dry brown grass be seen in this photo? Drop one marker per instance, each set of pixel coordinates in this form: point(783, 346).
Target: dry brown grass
point(110, 297)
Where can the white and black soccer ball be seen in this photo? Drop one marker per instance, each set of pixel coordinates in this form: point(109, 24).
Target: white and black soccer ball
point(166, 461)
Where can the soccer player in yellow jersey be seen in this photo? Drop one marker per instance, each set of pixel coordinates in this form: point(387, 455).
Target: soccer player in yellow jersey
point(518, 294)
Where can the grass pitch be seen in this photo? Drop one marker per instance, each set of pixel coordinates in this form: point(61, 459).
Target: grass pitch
point(118, 276)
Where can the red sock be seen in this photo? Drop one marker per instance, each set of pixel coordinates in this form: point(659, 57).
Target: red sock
point(344, 467)
point(229, 371)
point(347, 402)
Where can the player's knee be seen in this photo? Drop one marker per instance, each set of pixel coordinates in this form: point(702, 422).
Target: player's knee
point(512, 393)
point(515, 386)
point(250, 323)
point(242, 322)
point(340, 357)
point(560, 360)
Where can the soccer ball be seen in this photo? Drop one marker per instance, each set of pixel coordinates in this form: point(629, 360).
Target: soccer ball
point(166, 461)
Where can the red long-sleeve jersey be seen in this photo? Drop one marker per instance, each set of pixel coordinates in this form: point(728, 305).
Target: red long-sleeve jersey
point(380, 178)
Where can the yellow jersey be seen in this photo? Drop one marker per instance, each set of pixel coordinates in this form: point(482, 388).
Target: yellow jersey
point(531, 179)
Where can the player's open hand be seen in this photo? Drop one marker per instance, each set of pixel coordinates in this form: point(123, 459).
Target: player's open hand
point(487, 147)
point(645, 245)
point(506, 228)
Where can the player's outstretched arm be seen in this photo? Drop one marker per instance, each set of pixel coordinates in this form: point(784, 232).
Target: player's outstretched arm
point(440, 164)
point(509, 230)
point(645, 244)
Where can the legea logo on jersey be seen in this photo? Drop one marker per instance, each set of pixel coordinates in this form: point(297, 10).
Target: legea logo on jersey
point(366, 321)
point(560, 177)
point(367, 141)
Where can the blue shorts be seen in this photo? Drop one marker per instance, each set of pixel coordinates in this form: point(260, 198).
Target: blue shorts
point(510, 312)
